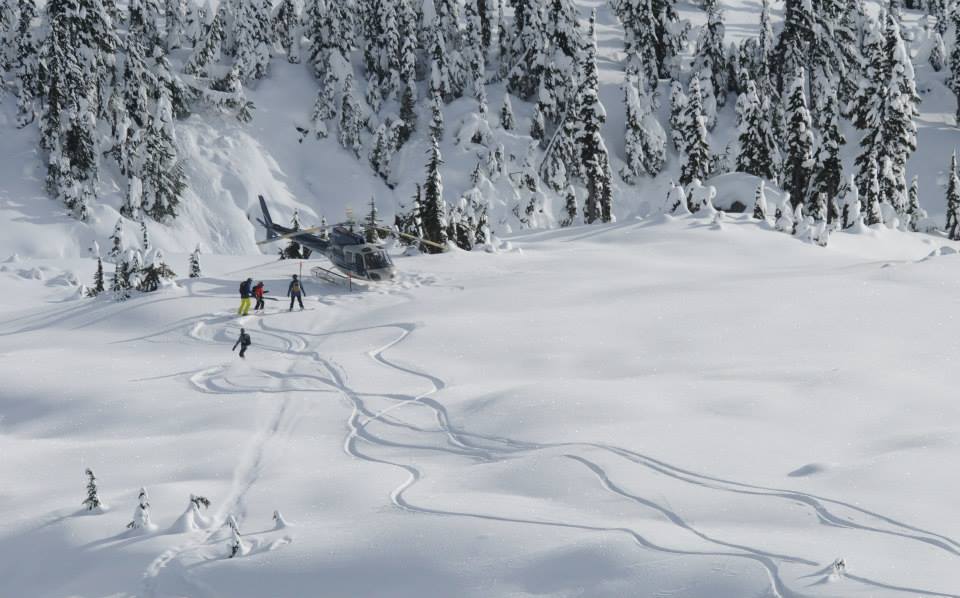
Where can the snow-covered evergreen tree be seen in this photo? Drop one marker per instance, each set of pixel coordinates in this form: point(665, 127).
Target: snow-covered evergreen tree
point(119, 285)
point(562, 158)
point(385, 143)
point(537, 124)
point(164, 181)
point(134, 263)
point(434, 210)
point(436, 116)
point(287, 28)
point(570, 207)
point(331, 28)
point(409, 222)
point(794, 43)
point(758, 147)
point(474, 52)
point(640, 41)
point(871, 195)
point(678, 107)
point(98, 280)
point(799, 160)
point(708, 99)
point(27, 63)
point(711, 57)
point(671, 36)
point(324, 108)
point(888, 117)
point(866, 103)
point(351, 120)
point(195, 263)
point(117, 243)
point(507, 121)
point(645, 140)
point(145, 18)
point(938, 53)
point(914, 214)
point(92, 501)
point(251, 36)
point(207, 50)
point(828, 174)
point(850, 213)
point(175, 14)
point(593, 152)
point(953, 201)
point(408, 111)
point(953, 80)
point(133, 198)
point(696, 147)
point(440, 79)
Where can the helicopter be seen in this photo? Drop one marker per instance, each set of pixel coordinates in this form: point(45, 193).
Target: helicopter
point(346, 249)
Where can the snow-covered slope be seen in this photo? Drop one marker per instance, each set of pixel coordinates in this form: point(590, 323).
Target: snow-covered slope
point(637, 409)
point(229, 163)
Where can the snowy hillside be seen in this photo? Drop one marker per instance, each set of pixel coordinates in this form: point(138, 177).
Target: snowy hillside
point(711, 413)
point(228, 163)
point(688, 332)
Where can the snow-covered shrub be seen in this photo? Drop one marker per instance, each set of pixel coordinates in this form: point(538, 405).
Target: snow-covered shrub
point(141, 514)
point(676, 202)
point(701, 198)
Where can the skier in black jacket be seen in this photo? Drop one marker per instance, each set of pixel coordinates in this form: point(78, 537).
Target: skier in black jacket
point(243, 341)
point(295, 292)
point(246, 290)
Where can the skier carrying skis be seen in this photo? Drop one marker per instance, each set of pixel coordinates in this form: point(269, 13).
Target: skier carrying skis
point(243, 341)
point(245, 292)
point(295, 292)
point(258, 292)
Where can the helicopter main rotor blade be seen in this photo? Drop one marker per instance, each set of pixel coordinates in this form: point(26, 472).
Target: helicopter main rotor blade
point(406, 235)
point(302, 231)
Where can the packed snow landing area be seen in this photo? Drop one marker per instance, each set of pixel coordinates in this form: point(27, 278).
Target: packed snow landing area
point(639, 409)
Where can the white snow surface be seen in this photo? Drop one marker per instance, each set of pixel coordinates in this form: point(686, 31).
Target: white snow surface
point(660, 408)
point(648, 408)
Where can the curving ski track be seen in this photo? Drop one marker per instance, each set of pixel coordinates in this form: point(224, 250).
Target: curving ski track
point(481, 447)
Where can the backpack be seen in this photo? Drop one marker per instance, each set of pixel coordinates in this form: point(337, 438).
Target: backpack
point(295, 287)
point(244, 339)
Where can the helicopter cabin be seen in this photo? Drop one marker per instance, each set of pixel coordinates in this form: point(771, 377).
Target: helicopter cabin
point(350, 251)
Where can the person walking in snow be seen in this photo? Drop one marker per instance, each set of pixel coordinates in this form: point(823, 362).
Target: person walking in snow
point(258, 292)
point(246, 291)
point(295, 292)
point(243, 341)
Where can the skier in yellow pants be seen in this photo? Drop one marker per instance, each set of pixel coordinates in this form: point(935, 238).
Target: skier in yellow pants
point(246, 291)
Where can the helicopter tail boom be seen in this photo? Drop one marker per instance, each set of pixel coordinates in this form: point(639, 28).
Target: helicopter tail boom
point(267, 222)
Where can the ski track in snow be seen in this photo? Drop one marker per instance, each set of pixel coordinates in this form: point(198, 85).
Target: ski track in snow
point(481, 447)
point(245, 475)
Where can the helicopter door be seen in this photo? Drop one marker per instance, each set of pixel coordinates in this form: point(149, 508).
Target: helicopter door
point(358, 264)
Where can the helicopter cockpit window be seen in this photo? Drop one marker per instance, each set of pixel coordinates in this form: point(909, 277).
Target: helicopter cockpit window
point(377, 260)
point(358, 261)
